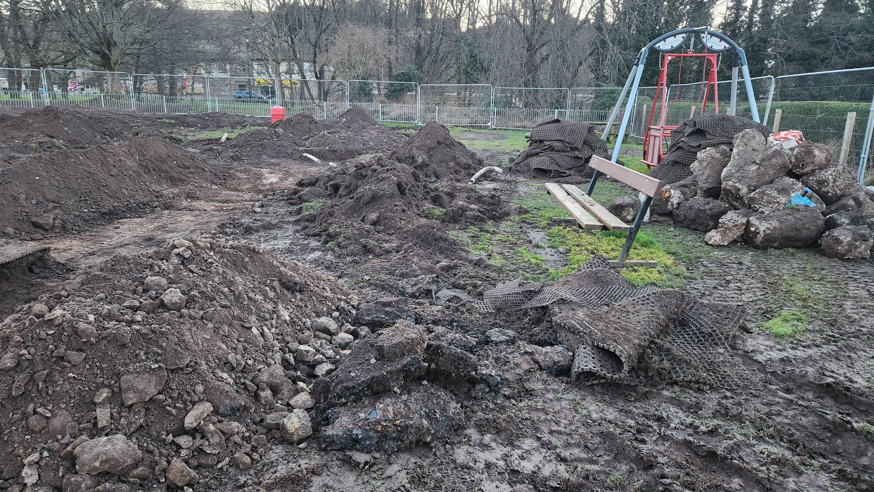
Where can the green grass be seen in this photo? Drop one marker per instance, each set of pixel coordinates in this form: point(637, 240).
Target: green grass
point(434, 213)
point(514, 141)
point(788, 324)
point(651, 244)
point(217, 134)
point(309, 207)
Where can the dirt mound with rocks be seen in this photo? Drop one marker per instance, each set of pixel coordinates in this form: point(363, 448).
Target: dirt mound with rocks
point(67, 190)
point(351, 135)
point(435, 154)
point(381, 206)
point(179, 354)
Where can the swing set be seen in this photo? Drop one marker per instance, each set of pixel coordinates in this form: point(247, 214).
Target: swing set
point(654, 140)
point(713, 43)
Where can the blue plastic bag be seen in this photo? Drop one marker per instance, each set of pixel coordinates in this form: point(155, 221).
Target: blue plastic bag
point(799, 201)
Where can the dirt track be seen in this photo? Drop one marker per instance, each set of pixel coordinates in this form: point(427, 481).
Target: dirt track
point(264, 247)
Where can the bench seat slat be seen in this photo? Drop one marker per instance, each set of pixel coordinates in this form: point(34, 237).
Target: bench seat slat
point(582, 217)
point(640, 182)
point(602, 214)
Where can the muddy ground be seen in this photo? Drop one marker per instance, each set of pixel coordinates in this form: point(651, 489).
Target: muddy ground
point(268, 251)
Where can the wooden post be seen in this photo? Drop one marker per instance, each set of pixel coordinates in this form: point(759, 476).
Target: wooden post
point(692, 113)
point(777, 115)
point(848, 138)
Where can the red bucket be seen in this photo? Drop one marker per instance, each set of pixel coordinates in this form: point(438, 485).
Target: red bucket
point(277, 113)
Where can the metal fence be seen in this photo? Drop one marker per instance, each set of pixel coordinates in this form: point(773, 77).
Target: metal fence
point(521, 108)
point(385, 101)
point(835, 108)
point(456, 104)
point(819, 104)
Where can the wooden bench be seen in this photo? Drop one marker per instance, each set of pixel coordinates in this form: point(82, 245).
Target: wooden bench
point(590, 215)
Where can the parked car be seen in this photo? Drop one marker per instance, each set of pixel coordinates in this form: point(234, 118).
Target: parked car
point(250, 96)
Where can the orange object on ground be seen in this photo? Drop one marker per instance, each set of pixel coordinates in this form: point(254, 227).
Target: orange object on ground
point(277, 113)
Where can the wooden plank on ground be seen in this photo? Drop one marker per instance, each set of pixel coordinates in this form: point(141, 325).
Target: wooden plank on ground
point(595, 208)
point(639, 181)
point(634, 263)
point(583, 218)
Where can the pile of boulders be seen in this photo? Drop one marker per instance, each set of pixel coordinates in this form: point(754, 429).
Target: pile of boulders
point(772, 196)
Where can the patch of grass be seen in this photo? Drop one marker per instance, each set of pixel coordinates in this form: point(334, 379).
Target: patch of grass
point(170, 122)
point(788, 324)
point(434, 213)
point(309, 207)
point(528, 257)
point(863, 428)
point(616, 479)
point(514, 141)
point(217, 134)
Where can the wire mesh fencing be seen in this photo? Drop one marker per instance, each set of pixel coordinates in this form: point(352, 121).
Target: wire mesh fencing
point(386, 101)
point(21, 88)
point(522, 108)
point(819, 104)
point(88, 88)
point(593, 104)
point(456, 104)
point(691, 98)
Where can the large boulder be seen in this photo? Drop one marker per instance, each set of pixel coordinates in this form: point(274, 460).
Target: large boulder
point(731, 227)
point(391, 422)
point(296, 426)
point(625, 208)
point(847, 243)
point(112, 454)
point(680, 191)
point(376, 364)
point(708, 168)
point(700, 214)
point(831, 184)
point(848, 218)
point(859, 201)
point(794, 227)
point(809, 157)
point(774, 196)
point(749, 171)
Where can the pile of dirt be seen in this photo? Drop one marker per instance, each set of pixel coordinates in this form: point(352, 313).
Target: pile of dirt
point(353, 134)
point(435, 154)
point(381, 206)
point(773, 195)
point(181, 353)
point(695, 135)
point(66, 190)
point(52, 128)
point(560, 148)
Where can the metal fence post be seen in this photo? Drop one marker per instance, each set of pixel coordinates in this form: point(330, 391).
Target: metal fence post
point(492, 114)
point(30, 95)
point(418, 104)
point(770, 98)
point(380, 111)
point(437, 114)
point(45, 85)
point(102, 101)
point(164, 100)
point(866, 144)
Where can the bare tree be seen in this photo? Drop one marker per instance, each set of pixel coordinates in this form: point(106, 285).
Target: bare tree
point(106, 31)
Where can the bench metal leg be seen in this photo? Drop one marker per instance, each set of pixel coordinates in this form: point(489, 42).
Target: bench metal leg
point(592, 183)
point(634, 228)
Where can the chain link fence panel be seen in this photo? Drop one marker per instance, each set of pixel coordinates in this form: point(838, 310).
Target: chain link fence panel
point(21, 88)
point(523, 108)
point(386, 101)
point(456, 104)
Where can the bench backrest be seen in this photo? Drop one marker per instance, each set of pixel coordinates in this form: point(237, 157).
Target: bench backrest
point(640, 182)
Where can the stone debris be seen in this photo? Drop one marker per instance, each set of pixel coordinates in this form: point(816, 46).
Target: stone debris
point(764, 192)
point(848, 243)
point(113, 454)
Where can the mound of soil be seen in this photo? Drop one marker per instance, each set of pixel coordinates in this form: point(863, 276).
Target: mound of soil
point(134, 348)
point(352, 135)
point(65, 190)
point(52, 128)
point(435, 154)
point(380, 206)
